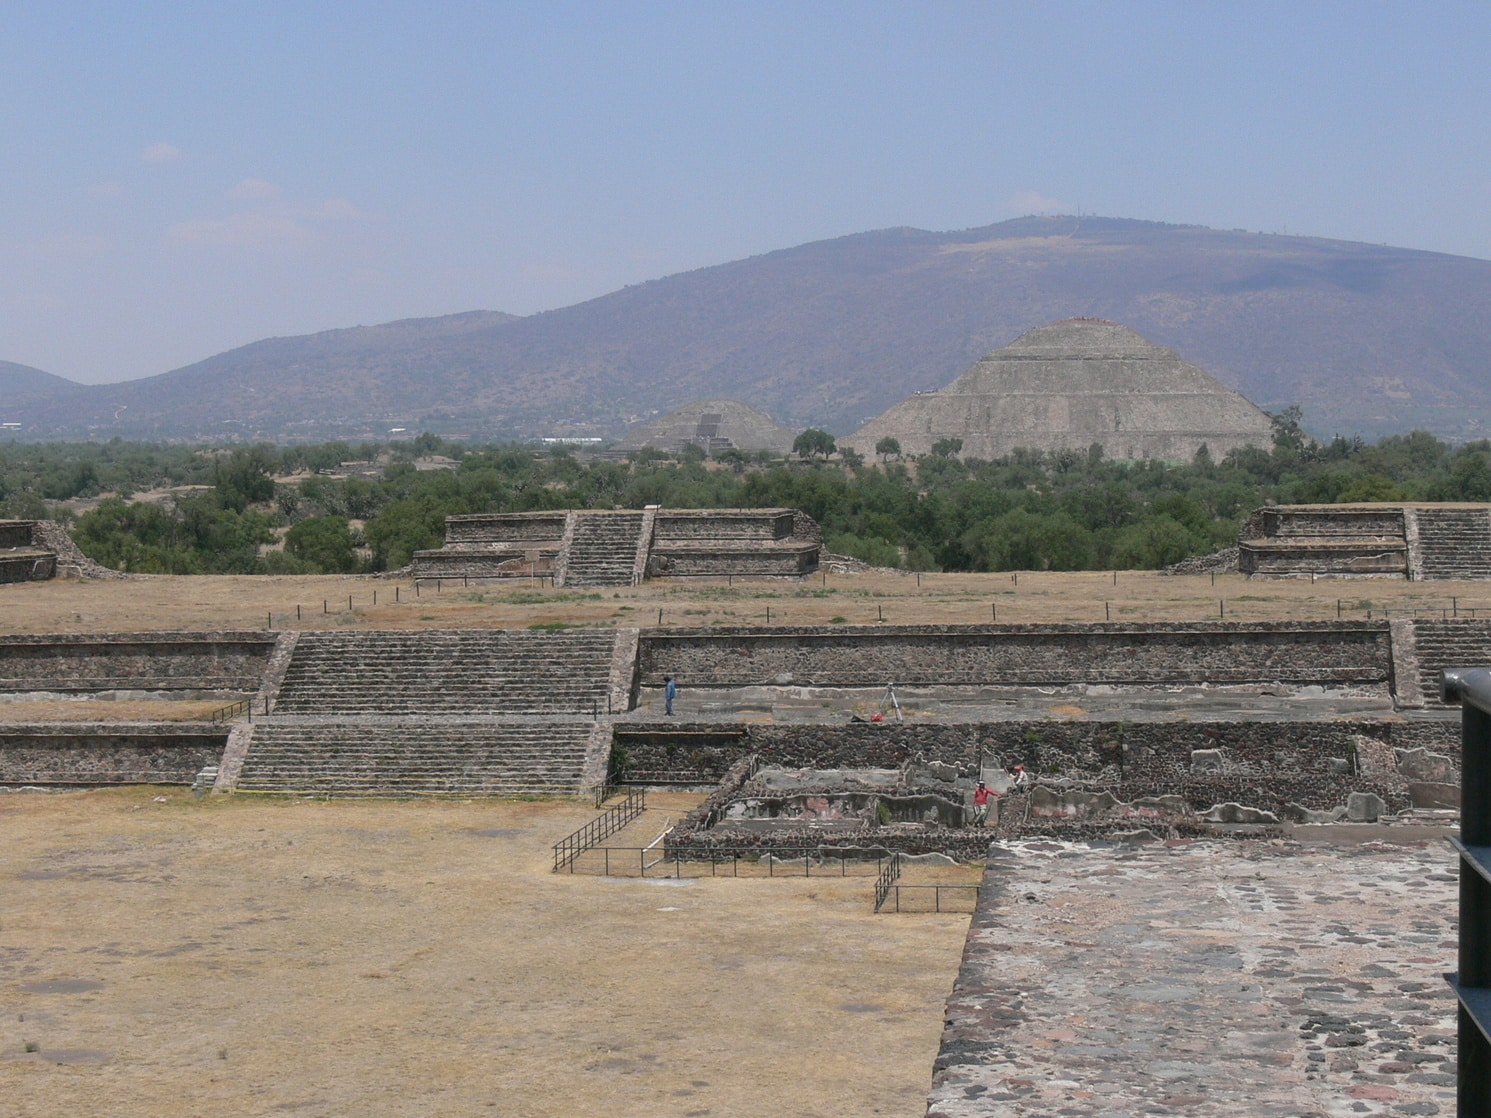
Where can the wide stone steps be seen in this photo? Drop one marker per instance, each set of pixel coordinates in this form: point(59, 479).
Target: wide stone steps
point(395, 758)
point(603, 551)
point(1451, 643)
point(478, 672)
point(1455, 543)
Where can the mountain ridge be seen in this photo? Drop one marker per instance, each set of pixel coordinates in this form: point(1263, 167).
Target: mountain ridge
point(1368, 338)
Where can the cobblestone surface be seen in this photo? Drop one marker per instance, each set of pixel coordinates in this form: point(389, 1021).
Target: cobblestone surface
point(1267, 979)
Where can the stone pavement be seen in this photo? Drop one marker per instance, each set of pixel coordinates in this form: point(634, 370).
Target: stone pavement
point(1286, 978)
point(1196, 702)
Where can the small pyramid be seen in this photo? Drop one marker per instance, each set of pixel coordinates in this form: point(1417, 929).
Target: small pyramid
point(1069, 385)
point(714, 425)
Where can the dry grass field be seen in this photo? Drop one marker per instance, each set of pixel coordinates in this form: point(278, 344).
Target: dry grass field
point(170, 956)
point(222, 601)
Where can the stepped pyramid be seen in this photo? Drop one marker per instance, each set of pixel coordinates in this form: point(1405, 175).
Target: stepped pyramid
point(713, 425)
point(1067, 386)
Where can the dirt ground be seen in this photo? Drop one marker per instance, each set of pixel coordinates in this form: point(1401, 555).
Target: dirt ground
point(107, 710)
point(205, 602)
point(173, 956)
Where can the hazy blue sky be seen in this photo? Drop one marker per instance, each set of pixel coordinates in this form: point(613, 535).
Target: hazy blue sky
point(174, 182)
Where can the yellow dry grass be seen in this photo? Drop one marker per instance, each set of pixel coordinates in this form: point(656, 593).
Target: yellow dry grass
point(206, 602)
point(255, 956)
point(98, 710)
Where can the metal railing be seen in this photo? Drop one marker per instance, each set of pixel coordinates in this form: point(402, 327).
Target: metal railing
point(567, 849)
point(743, 861)
point(1471, 688)
point(233, 710)
point(894, 890)
point(887, 880)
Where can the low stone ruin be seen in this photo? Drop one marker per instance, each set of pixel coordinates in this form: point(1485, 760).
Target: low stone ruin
point(37, 550)
point(1412, 541)
point(621, 548)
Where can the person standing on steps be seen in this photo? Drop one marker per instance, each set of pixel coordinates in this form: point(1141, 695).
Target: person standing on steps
point(981, 796)
point(670, 692)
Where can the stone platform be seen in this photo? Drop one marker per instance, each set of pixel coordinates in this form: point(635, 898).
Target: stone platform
point(1412, 541)
point(1284, 979)
point(621, 548)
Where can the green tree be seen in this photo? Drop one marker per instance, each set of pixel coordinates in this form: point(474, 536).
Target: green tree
point(947, 448)
point(813, 443)
point(243, 478)
point(1022, 540)
point(888, 447)
point(326, 542)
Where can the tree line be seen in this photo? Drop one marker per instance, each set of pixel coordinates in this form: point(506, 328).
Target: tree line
point(303, 509)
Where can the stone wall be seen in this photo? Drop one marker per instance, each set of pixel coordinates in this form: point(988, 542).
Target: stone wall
point(1264, 765)
point(15, 533)
point(1319, 556)
point(724, 524)
point(1328, 654)
point(492, 561)
point(229, 663)
point(107, 753)
point(721, 558)
point(1385, 522)
point(514, 527)
point(27, 566)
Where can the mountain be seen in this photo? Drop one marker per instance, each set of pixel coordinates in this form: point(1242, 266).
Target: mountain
point(1368, 339)
point(22, 386)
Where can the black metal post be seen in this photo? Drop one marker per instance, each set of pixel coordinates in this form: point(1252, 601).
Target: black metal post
point(1471, 687)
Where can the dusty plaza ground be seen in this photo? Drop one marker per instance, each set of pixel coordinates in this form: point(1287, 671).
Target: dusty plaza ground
point(253, 956)
point(207, 602)
point(249, 955)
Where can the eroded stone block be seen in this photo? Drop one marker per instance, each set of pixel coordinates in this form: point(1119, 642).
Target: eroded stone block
point(1207, 761)
point(1425, 765)
point(1365, 807)
point(1432, 794)
point(1237, 813)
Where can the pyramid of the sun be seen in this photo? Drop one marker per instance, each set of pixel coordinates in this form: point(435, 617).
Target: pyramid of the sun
point(713, 425)
point(1067, 386)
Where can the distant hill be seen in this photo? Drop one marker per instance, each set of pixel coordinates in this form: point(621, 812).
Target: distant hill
point(21, 385)
point(1368, 339)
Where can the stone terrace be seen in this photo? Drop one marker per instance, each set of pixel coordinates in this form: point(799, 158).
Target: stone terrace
point(619, 548)
point(1319, 654)
point(449, 672)
point(1274, 980)
point(393, 757)
point(1414, 541)
point(466, 711)
point(226, 663)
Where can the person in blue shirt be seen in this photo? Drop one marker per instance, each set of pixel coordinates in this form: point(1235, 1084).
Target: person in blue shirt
point(670, 692)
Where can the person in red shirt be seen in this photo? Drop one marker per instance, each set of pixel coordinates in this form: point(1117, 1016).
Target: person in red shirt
point(981, 796)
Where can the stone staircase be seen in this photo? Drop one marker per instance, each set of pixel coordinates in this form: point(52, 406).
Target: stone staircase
point(1454, 542)
point(473, 672)
point(425, 712)
point(603, 550)
point(395, 757)
point(1449, 644)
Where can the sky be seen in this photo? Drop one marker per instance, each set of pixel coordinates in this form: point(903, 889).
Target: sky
point(177, 180)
